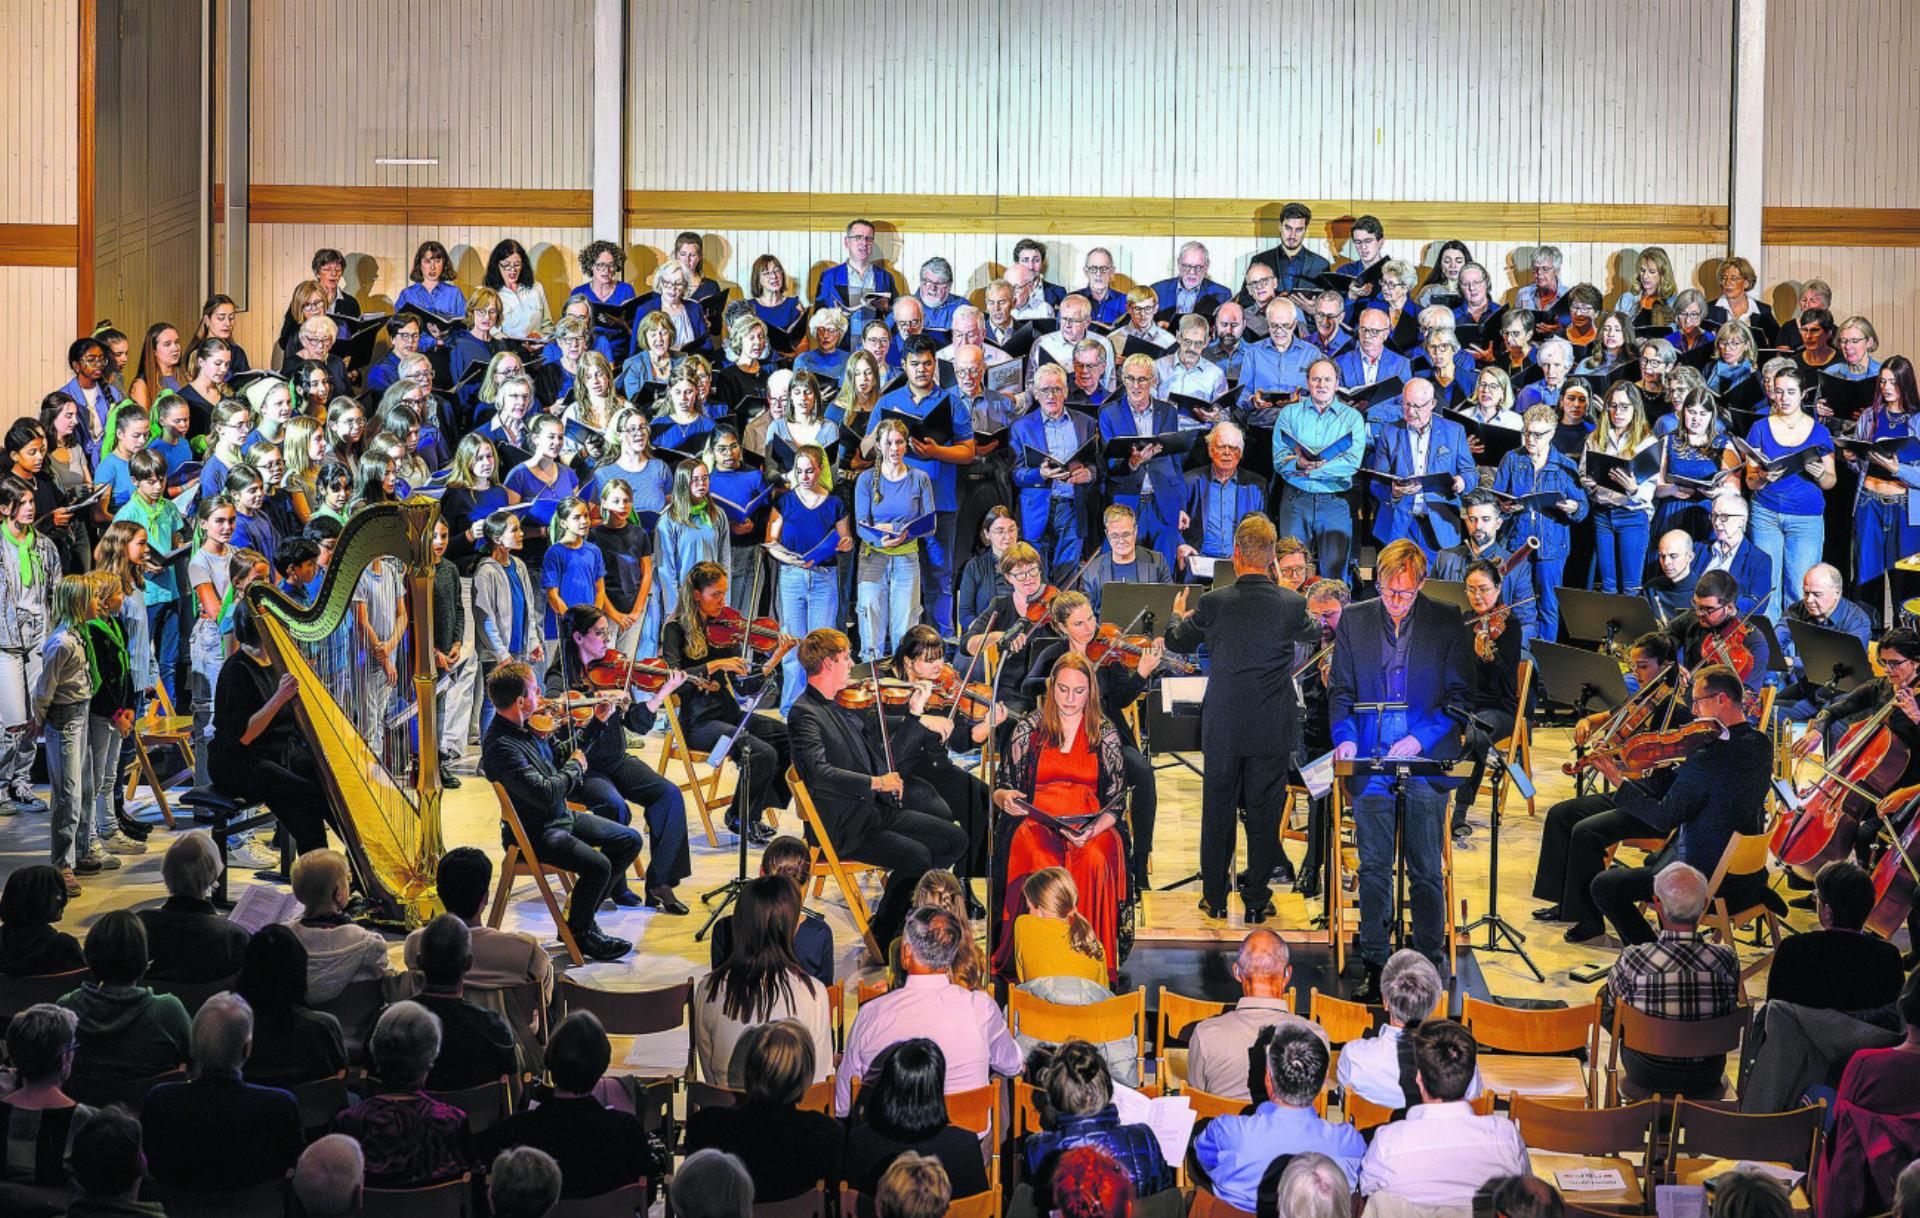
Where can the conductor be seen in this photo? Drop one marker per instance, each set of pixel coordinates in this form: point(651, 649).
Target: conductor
point(1398, 661)
point(1249, 718)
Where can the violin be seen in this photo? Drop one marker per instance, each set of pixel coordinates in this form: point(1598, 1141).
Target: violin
point(617, 670)
point(1649, 751)
point(1032, 616)
point(762, 634)
point(1110, 643)
point(861, 697)
point(1728, 645)
point(577, 708)
point(971, 700)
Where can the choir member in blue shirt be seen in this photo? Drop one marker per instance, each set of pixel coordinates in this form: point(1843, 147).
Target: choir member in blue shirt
point(1478, 308)
point(1109, 304)
point(432, 288)
point(672, 295)
point(1147, 480)
point(1218, 498)
point(1291, 262)
point(1053, 496)
point(653, 359)
point(773, 298)
point(602, 262)
point(1536, 467)
point(1032, 256)
point(1369, 241)
point(1555, 357)
point(92, 390)
point(827, 356)
point(1689, 317)
point(936, 295)
point(1857, 342)
point(1313, 493)
point(1420, 445)
point(859, 274)
point(1544, 297)
point(941, 463)
point(1329, 331)
point(1368, 362)
point(1190, 291)
point(907, 321)
point(1228, 350)
point(1278, 363)
point(1185, 370)
point(408, 338)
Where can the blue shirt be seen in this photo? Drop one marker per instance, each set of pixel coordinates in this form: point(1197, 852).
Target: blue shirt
point(802, 527)
point(545, 497)
point(1538, 394)
point(1216, 508)
point(213, 475)
point(1236, 1150)
point(893, 503)
point(1796, 494)
point(517, 591)
point(1106, 312)
point(1353, 367)
point(614, 342)
point(177, 453)
point(113, 472)
point(1516, 476)
point(650, 485)
point(1062, 442)
point(576, 573)
point(1272, 371)
point(1317, 429)
point(830, 364)
point(445, 299)
point(944, 475)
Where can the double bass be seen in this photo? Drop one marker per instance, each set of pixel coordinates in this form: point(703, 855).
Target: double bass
point(1866, 765)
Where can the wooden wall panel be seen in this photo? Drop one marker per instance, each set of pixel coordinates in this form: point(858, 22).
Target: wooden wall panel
point(38, 122)
point(37, 303)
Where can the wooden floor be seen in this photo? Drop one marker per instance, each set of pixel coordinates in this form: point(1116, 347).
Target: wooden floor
point(668, 950)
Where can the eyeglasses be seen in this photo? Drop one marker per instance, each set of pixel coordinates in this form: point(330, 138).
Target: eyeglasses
point(1372, 331)
point(1024, 573)
point(1092, 269)
point(1536, 434)
point(1265, 281)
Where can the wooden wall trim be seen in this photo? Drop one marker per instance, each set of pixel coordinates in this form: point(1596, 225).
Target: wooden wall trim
point(422, 205)
point(1878, 227)
point(87, 104)
point(40, 245)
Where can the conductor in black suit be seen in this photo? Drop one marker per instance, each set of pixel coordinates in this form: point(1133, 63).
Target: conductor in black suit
point(1249, 719)
point(1410, 657)
point(855, 793)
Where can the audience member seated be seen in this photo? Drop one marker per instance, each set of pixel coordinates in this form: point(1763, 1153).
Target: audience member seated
point(108, 1168)
point(914, 1187)
point(1746, 1193)
point(1052, 938)
point(711, 1184)
point(1088, 1183)
point(476, 1046)
point(785, 1148)
point(409, 1139)
point(1840, 967)
point(1411, 988)
point(760, 983)
point(941, 889)
point(30, 944)
point(126, 1030)
point(1226, 1055)
point(903, 1107)
point(38, 1118)
point(1443, 1151)
point(1520, 1197)
point(187, 938)
point(1677, 976)
point(292, 1043)
point(329, 1179)
point(967, 1025)
point(523, 1183)
point(1906, 1194)
point(1237, 1151)
point(218, 1132)
point(812, 938)
point(503, 960)
point(599, 1149)
point(1876, 1120)
point(1314, 1186)
point(339, 952)
point(1079, 1111)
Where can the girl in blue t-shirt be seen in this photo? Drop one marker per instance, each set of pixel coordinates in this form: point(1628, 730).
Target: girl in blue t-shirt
point(573, 572)
point(1788, 524)
point(128, 430)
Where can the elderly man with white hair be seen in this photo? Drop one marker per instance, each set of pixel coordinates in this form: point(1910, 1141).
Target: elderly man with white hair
point(1218, 498)
point(1076, 318)
point(1029, 295)
point(329, 1180)
point(1186, 370)
point(1823, 603)
point(970, 330)
point(218, 1131)
point(187, 938)
point(1224, 1056)
point(936, 295)
point(1411, 989)
point(523, 1183)
point(1189, 290)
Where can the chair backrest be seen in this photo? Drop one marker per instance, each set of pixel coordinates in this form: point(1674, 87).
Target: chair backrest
point(1745, 854)
point(1649, 1034)
point(321, 1100)
point(1206, 1205)
point(976, 1109)
point(980, 1205)
point(192, 994)
point(617, 1203)
point(356, 1006)
point(265, 1200)
point(856, 1204)
point(451, 1199)
point(19, 993)
point(632, 1012)
point(1206, 1104)
point(1574, 1130)
point(486, 1105)
point(1177, 1015)
point(511, 819)
point(1362, 1113)
point(1111, 1019)
point(810, 1204)
point(1516, 1031)
point(129, 1091)
point(866, 991)
point(1708, 1131)
point(1343, 1020)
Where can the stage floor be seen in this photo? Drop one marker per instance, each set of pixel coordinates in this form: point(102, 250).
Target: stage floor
point(1176, 942)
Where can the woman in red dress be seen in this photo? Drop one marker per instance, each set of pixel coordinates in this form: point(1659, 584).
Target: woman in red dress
point(1065, 760)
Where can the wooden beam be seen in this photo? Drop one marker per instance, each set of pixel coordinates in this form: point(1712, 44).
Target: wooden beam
point(1876, 227)
point(40, 245)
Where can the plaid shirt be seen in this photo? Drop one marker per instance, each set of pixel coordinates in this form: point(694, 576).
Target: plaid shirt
point(1677, 976)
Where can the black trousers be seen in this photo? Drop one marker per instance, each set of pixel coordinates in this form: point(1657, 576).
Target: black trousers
point(761, 752)
point(945, 790)
point(1144, 797)
point(1573, 850)
point(909, 844)
point(1617, 893)
point(1479, 742)
point(595, 849)
point(1231, 784)
point(290, 787)
point(610, 791)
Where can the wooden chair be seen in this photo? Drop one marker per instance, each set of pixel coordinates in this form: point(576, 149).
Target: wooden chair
point(618, 1203)
point(1517, 748)
point(636, 1012)
point(1670, 1038)
point(810, 1204)
point(1362, 1113)
point(129, 1091)
point(320, 1101)
point(1707, 1140)
point(980, 1205)
point(453, 1199)
point(1174, 1023)
point(160, 728)
point(818, 1098)
point(1532, 1046)
point(842, 875)
point(866, 991)
point(192, 994)
point(520, 861)
point(1206, 1205)
point(1561, 1136)
point(1342, 1020)
point(264, 1200)
point(1206, 1104)
point(1746, 854)
point(1113, 1019)
point(19, 993)
point(486, 1105)
point(356, 1007)
point(703, 792)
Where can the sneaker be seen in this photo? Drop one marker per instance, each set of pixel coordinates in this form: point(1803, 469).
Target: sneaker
point(23, 795)
point(121, 843)
point(108, 862)
point(250, 856)
point(73, 884)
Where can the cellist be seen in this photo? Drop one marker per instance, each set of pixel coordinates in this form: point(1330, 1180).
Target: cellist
point(1713, 632)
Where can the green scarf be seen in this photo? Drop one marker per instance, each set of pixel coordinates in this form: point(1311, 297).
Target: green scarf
point(28, 556)
point(112, 629)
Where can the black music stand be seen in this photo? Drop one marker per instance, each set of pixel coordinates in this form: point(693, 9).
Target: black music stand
point(1585, 680)
point(1604, 617)
point(1498, 928)
point(1152, 606)
point(1447, 592)
point(1400, 770)
point(1835, 661)
point(718, 899)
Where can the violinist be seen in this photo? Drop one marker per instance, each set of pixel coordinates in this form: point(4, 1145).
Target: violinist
point(1714, 632)
point(1017, 622)
point(1122, 681)
point(1496, 684)
point(686, 644)
point(1718, 791)
point(615, 779)
point(1578, 831)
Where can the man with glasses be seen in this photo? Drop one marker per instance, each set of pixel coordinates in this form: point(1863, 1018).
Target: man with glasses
point(1398, 662)
point(1369, 259)
point(1732, 551)
point(1480, 518)
point(1407, 451)
point(846, 285)
point(1525, 477)
point(1258, 290)
point(1053, 494)
point(1276, 366)
point(1368, 362)
point(1714, 624)
point(1123, 561)
point(1076, 313)
point(1291, 262)
point(1186, 370)
point(937, 301)
point(1823, 603)
point(1314, 491)
point(1108, 302)
point(1219, 497)
point(1148, 481)
point(1190, 291)
point(941, 463)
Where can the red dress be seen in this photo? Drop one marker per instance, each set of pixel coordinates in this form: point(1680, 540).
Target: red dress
point(1067, 783)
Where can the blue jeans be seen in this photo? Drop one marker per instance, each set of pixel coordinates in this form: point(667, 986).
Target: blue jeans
point(889, 601)
point(809, 600)
point(1547, 573)
point(1426, 887)
point(1792, 545)
point(71, 823)
point(1324, 521)
point(96, 790)
point(1620, 545)
point(1060, 543)
point(163, 627)
point(936, 574)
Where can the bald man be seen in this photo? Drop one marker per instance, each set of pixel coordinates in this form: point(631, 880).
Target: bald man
point(1670, 589)
point(1226, 1055)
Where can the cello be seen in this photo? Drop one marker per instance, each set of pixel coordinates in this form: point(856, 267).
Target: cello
point(1866, 765)
point(1896, 878)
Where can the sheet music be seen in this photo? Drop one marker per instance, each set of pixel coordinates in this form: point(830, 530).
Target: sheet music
point(1171, 1117)
point(1181, 689)
point(1201, 566)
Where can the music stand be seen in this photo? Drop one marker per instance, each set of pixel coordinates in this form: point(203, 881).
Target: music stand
point(1400, 770)
point(1585, 680)
point(1835, 661)
point(1447, 592)
point(1777, 655)
point(1122, 604)
point(1603, 617)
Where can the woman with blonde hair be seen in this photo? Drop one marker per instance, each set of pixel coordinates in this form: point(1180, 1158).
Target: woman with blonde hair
point(1622, 505)
point(653, 359)
point(890, 504)
point(595, 398)
point(1053, 938)
point(859, 392)
point(1649, 302)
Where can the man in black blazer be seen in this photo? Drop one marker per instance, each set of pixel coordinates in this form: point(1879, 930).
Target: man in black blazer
point(220, 1131)
point(856, 794)
point(1249, 719)
point(1399, 648)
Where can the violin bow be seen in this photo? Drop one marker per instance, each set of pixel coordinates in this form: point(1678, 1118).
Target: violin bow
point(880, 713)
point(967, 676)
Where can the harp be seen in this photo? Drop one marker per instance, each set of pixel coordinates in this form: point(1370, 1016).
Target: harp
point(383, 791)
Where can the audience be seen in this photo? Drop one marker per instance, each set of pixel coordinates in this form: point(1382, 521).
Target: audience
point(30, 944)
point(711, 1184)
point(409, 1138)
point(187, 938)
point(1839, 967)
point(966, 1024)
point(1411, 989)
point(812, 938)
point(108, 1168)
point(217, 1131)
point(339, 951)
point(1079, 1111)
point(903, 1107)
point(292, 1043)
point(1677, 976)
point(1226, 1055)
point(126, 1030)
point(599, 1149)
point(1314, 1186)
point(1053, 938)
point(329, 1179)
point(1443, 1151)
point(786, 1149)
point(942, 889)
point(914, 1187)
point(1087, 1183)
point(1876, 1120)
point(1906, 1193)
point(1744, 1193)
point(1522, 1196)
point(761, 982)
point(503, 960)
point(522, 1183)
point(476, 1046)
point(1237, 1151)
point(39, 1119)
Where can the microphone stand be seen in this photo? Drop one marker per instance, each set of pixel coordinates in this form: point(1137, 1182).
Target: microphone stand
point(1498, 928)
point(728, 892)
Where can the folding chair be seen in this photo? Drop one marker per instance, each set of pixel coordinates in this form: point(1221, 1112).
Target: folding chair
point(19, 993)
point(1708, 1140)
point(818, 1097)
point(1099, 1022)
point(617, 1203)
point(131, 1092)
point(702, 791)
point(1562, 1137)
point(160, 728)
point(631, 1013)
point(1670, 1038)
point(267, 1199)
point(1746, 854)
point(1342, 1020)
point(842, 875)
point(1532, 1047)
point(486, 1105)
point(452, 1199)
point(520, 861)
point(1175, 1022)
point(192, 994)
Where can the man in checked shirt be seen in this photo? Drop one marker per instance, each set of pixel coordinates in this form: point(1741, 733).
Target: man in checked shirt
point(1677, 976)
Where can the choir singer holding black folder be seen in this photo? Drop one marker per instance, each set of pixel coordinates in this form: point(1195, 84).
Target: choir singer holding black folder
point(1249, 718)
